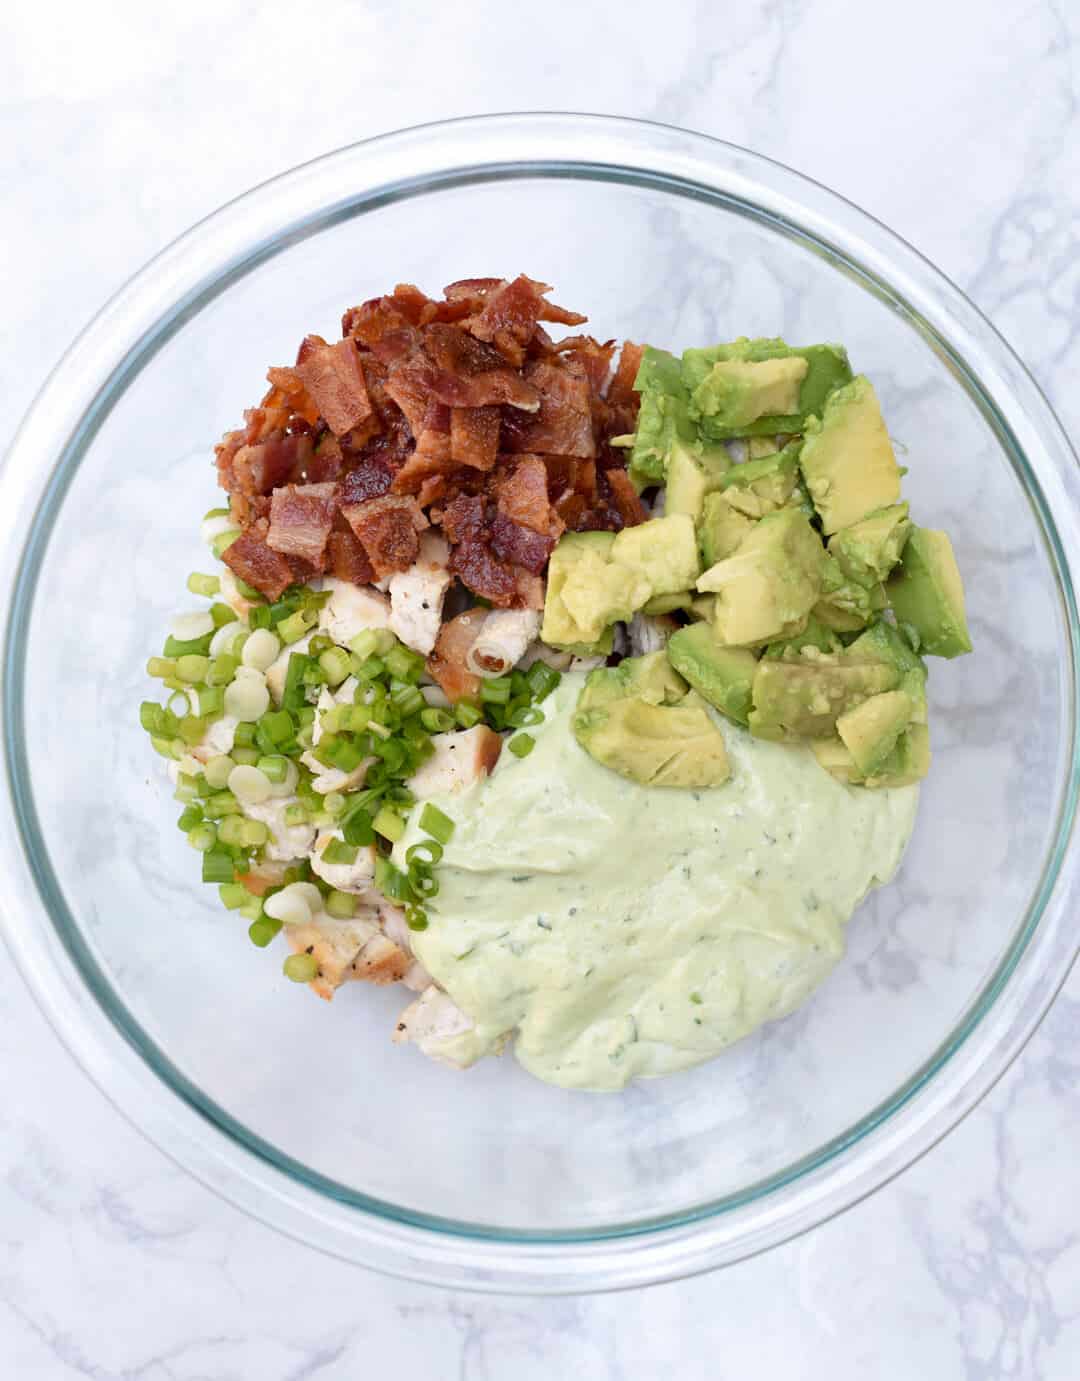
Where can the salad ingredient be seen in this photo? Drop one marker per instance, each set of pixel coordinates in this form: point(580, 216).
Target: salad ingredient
point(847, 458)
point(927, 595)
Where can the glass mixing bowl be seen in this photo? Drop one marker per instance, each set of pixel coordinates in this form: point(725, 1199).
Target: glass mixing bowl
point(305, 1114)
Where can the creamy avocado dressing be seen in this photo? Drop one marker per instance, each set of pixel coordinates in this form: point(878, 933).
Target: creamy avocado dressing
point(627, 930)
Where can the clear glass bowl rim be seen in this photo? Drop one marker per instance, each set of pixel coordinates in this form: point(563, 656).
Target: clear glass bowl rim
point(139, 1079)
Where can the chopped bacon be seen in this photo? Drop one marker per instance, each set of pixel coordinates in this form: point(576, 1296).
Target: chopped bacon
point(448, 662)
point(594, 358)
point(482, 572)
point(369, 480)
point(258, 564)
point(471, 287)
point(621, 390)
point(563, 424)
point(529, 590)
point(467, 373)
point(508, 318)
point(245, 509)
point(333, 377)
point(301, 517)
point(474, 436)
point(520, 546)
point(345, 557)
point(523, 497)
point(288, 384)
point(421, 465)
point(625, 498)
point(464, 519)
point(387, 528)
point(259, 468)
point(327, 461)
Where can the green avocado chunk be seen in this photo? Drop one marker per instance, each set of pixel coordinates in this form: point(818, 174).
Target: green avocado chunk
point(845, 605)
point(907, 764)
point(721, 401)
point(803, 699)
point(663, 552)
point(847, 458)
point(771, 479)
point(815, 634)
point(768, 587)
point(721, 528)
point(722, 675)
point(883, 643)
point(868, 550)
point(871, 731)
point(627, 720)
point(693, 472)
point(927, 594)
point(586, 592)
point(663, 417)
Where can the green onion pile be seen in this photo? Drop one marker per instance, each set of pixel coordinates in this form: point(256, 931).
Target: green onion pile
point(214, 663)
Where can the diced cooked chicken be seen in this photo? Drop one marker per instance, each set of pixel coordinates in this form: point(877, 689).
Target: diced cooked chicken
point(417, 595)
point(429, 1022)
point(264, 875)
point(415, 976)
point(459, 759)
point(326, 779)
point(279, 667)
point(287, 842)
point(357, 877)
point(351, 609)
point(587, 663)
point(502, 640)
point(348, 950)
point(650, 633)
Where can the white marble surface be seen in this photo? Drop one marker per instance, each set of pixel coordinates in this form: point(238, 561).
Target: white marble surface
point(956, 124)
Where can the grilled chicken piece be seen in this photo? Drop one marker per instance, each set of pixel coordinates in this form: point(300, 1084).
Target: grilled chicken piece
point(417, 595)
point(348, 950)
point(459, 759)
point(431, 1020)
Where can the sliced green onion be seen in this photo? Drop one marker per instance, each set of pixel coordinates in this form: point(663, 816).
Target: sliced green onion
point(340, 905)
point(262, 931)
point(334, 804)
point(192, 668)
point(416, 918)
point(259, 618)
point(254, 833)
point(542, 680)
point(467, 714)
point(337, 851)
point(221, 543)
point(521, 745)
point(233, 895)
point(391, 881)
point(495, 691)
point(178, 704)
point(192, 729)
point(151, 716)
point(161, 666)
point(404, 665)
point(423, 883)
point(389, 824)
point(215, 513)
point(436, 721)
point(368, 669)
point(407, 699)
point(247, 697)
point(211, 701)
point(222, 670)
point(335, 665)
point(167, 747)
point(301, 968)
point(203, 837)
point(427, 851)
point(189, 817)
point(219, 805)
point(231, 831)
point(435, 823)
point(206, 585)
point(296, 814)
point(185, 647)
point(246, 757)
point(261, 649)
point(223, 614)
point(358, 829)
point(187, 788)
point(217, 771)
point(526, 717)
point(293, 628)
point(275, 768)
point(248, 591)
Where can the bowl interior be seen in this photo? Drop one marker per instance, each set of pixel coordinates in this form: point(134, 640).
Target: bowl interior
point(319, 1088)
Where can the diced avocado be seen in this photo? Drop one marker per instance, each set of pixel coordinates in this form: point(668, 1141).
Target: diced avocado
point(722, 675)
point(815, 634)
point(836, 760)
point(847, 458)
point(768, 587)
point(666, 604)
point(690, 476)
point(908, 762)
point(883, 643)
point(721, 528)
point(651, 678)
point(871, 731)
point(585, 592)
point(703, 607)
point(737, 392)
point(626, 720)
point(803, 699)
point(927, 594)
point(868, 550)
point(770, 478)
point(663, 417)
point(759, 446)
point(663, 552)
point(845, 605)
point(827, 369)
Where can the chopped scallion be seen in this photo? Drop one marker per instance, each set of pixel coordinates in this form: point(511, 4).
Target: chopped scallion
point(206, 585)
point(301, 968)
point(337, 851)
point(389, 824)
point(435, 823)
point(521, 745)
point(262, 931)
point(233, 895)
point(340, 905)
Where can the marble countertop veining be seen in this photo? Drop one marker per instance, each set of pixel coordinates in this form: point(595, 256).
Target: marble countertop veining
point(955, 123)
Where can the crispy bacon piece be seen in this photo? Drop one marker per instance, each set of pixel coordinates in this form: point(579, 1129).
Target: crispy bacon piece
point(625, 498)
point(448, 661)
point(508, 318)
point(326, 462)
point(345, 557)
point(258, 564)
point(594, 359)
point(262, 467)
point(621, 390)
point(520, 546)
point(523, 496)
point(467, 373)
point(421, 466)
point(474, 436)
point(301, 517)
point(370, 479)
point(331, 374)
point(387, 528)
point(563, 424)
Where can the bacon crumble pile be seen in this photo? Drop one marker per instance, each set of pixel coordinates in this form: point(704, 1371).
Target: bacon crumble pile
point(461, 413)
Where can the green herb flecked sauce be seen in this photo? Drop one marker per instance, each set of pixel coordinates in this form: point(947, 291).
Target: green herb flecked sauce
point(626, 931)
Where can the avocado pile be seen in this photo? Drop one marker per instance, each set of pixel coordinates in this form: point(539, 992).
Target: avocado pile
point(807, 596)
